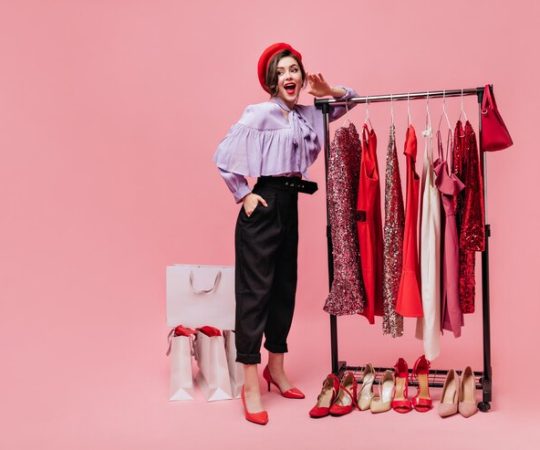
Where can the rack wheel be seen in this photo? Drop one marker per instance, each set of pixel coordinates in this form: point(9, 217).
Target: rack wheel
point(484, 406)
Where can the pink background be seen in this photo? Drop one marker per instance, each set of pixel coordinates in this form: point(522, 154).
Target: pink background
point(109, 115)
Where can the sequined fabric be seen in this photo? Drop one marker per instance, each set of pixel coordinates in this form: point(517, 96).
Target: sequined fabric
point(347, 293)
point(469, 211)
point(394, 222)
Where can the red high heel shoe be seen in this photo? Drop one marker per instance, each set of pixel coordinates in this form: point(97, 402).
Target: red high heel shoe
point(260, 417)
point(327, 396)
point(401, 403)
point(289, 393)
point(346, 398)
point(422, 401)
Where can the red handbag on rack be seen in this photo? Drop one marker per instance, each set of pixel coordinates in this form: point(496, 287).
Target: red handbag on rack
point(495, 135)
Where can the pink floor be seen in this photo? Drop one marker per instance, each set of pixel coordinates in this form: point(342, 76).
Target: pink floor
point(115, 397)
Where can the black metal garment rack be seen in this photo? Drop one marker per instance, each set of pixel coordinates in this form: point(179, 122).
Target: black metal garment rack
point(436, 377)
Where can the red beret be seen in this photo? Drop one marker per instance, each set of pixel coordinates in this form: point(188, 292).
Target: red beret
point(267, 55)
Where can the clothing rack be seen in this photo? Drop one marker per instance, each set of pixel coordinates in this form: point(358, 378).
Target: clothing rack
point(436, 377)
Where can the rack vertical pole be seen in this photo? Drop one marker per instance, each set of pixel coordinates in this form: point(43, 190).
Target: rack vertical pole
point(333, 318)
point(484, 405)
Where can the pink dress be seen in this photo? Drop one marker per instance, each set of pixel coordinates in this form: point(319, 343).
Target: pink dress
point(449, 186)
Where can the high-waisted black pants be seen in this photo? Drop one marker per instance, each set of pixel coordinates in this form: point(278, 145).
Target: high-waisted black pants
point(266, 248)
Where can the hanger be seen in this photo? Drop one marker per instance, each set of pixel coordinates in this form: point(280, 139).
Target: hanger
point(347, 120)
point(449, 140)
point(409, 108)
point(462, 112)
point(427, 131)
point(367, 120)
point(392, 110)
point(444, 114)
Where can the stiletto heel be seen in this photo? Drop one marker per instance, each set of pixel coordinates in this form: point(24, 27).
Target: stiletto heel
point(449, 396)
point(326, 398)
point(467, 394)
point(401, 402)
point(366, 391)
point(383, 401)
point(294, 393)
point(260, 417)
point(422, 401)
point(346, 398)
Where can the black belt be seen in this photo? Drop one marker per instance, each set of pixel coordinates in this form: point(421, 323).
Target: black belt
point(289, 183)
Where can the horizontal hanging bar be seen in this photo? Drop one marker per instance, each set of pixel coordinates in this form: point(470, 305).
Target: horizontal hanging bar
point(406, 96)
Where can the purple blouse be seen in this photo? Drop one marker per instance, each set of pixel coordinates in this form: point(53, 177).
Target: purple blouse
point(264, 142)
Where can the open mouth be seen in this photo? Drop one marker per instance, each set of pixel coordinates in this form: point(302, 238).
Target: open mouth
point(290, 88)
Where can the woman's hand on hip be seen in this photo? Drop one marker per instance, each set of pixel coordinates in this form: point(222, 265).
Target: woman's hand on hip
point(251, 201)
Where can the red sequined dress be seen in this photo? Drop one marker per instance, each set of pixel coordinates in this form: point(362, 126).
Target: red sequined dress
point(347, 293)
point(469, 211)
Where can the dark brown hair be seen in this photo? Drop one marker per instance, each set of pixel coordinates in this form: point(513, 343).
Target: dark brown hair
point(272, 73)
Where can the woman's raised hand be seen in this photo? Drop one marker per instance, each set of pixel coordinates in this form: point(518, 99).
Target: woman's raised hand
point(251, 201)
point(318, 86)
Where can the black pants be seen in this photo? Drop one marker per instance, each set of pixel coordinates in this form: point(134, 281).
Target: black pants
point(266, 247)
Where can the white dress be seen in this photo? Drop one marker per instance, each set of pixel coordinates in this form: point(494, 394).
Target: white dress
point(428, 327)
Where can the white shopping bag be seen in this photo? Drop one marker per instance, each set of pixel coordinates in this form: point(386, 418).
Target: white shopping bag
point(236, 370)
point(213, 376)
point(180, 352)
point(200, 295)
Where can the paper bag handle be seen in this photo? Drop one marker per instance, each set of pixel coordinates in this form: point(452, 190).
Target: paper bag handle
point(204, 291)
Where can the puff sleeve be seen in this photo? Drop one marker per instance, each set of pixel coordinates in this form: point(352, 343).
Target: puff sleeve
point(338, 111)
point(236, 183)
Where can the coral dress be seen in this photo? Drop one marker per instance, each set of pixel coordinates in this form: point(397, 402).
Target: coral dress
point(409, 302)
point(369, 225)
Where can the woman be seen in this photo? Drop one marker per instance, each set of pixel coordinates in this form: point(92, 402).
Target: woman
point(275, 141)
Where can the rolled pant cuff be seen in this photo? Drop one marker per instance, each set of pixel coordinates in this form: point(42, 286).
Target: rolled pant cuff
point(248, 358)
point(276, 348)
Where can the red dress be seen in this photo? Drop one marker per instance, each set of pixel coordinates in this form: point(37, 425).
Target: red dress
point(409, 302)
point(369, 224)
